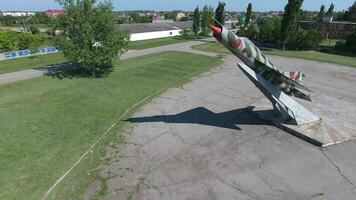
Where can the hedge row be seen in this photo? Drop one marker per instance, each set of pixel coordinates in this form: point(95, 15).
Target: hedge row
point(10, 41)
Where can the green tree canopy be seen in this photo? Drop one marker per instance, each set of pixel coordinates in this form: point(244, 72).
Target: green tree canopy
point(350, 14)
point(220, 13)
point(350, 43)
point(196, 22)
point(269, 30)
point(30, 41)
point(290, 19)
point(8, 41)
point(330, 11)
point(321, 14)
point(206, 19)
point(11, 41)
point(139, 19)
point(89, 34)
point(248, 14)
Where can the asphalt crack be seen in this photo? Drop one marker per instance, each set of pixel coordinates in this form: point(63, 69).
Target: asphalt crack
point(337, 168)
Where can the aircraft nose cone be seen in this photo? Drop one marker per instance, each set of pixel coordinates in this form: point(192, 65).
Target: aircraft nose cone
point(216, 30)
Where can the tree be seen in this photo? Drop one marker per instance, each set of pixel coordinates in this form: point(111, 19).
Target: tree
point(307, 15)
point(39, 18)
point(184, 19)
point(30, 41)
point(206, 19)
point(269, 29)
point(170, 16)
point(339, 15)
point(89, 35)
point(350, 42)
point(196, 22)
point(248, 14)
point(188, 34)
point(34, 29)
point(350, 14)
point(8, 41)
point(330, 11)
point(253, 32)
point(290, 18)
point(140, 19)
point(312, 39)
point(321, 14)
point(220, 14)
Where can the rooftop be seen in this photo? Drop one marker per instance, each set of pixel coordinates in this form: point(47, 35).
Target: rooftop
point(334, 22)
point(55, 11)
point(152, 27)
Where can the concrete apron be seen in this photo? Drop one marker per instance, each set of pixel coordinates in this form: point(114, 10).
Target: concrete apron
point(320, 132)
point(313, 128)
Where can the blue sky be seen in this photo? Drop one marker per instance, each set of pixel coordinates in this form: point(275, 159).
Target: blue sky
point(232, 5)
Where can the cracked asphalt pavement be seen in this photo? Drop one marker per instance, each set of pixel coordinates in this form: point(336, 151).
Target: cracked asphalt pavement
point(203, 141)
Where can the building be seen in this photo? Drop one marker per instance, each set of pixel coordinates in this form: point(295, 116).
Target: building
point(155, 30)
point(231, 24)
point(18, 13)
point(163, 21)
point(333, 30)
point(54, 13)
point(180, 15)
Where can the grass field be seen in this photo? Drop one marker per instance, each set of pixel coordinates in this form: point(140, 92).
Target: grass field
point(308, 55)
point(46, 124)
point(138, 45)
point(328, 42)
point(20, 64)
point(317, 56)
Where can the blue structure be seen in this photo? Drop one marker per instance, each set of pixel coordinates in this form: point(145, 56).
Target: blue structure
point(26, 53)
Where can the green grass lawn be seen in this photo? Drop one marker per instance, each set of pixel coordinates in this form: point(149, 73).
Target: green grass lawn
point(329, 42)
point(213, 47)
point(46, 123)
point(19, 64)
point(317, 56)
point(308, 55)
point(138, 45)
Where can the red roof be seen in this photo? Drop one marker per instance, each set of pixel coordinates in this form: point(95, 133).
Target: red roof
point(55, 11)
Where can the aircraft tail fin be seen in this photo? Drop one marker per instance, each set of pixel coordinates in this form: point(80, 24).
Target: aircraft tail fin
point(295, 76)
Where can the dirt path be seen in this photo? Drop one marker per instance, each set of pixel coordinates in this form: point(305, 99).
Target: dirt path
point(34, 73)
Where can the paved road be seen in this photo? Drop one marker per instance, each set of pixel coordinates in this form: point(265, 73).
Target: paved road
point(33, 73)
point(202, 141)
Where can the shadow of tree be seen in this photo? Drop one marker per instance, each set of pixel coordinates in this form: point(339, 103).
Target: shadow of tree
point(71, 71)
point(230, 119)
point(207, 41)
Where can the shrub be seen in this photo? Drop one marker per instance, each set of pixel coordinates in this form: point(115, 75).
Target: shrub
point(340, 45)
point(350, 41)
point(30, 41)
point(305, 39)
point(34, 29)
point(8, 41)
point(188, 34)
point(269, 30)
point(252, 31)
point(312, 39)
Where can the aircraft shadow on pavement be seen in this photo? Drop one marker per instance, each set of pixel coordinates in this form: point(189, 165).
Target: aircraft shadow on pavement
point(230, 119)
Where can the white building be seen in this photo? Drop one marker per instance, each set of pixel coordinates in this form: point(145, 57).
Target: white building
point(18, 13)
point(155, 30)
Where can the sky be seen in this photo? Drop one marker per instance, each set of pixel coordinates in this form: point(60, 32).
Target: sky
point(186, 5)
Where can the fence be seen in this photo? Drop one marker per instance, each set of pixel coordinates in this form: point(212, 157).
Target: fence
point(26, 53)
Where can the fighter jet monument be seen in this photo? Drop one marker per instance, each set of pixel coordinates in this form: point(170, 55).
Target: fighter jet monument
point(279, 87)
